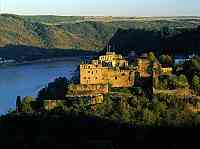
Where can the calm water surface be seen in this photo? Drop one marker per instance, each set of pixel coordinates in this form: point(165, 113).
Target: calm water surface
point(26, 80)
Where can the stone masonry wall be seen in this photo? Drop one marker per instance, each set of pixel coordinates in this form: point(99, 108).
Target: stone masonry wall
point(96, 74)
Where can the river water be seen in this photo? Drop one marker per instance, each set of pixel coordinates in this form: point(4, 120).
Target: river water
point(27, 79)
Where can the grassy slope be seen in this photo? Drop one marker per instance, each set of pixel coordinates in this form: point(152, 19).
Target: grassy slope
point(76, 32)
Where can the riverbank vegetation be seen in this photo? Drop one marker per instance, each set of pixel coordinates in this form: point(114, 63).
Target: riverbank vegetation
point(104, 125)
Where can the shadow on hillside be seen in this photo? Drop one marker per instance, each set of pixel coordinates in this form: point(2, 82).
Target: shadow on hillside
point(73, 131)
point(184, 41)
point(28, 53)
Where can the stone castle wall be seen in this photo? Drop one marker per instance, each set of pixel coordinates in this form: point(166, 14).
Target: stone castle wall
point(92, 74)
point(120, 78)
point(96, 74)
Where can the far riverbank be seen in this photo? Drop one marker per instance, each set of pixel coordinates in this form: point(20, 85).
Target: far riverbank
point(47, 60)
point(15, 55)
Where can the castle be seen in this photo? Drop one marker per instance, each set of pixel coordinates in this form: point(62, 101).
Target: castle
point(108, 69)
point(114, 70)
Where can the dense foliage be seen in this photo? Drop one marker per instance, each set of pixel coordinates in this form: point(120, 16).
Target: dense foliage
point(55, 90)
point(63, 130)
point(140, 40)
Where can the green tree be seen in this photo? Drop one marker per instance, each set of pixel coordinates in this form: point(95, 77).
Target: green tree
point(192, 67)
point(166, 60)
point(26, 104)
point(197, 119)
point(55, 90)
point(105, 110)
point(83, 105)
point(149, 118)
point(173, 82)
point(160, 110)
point(109, 86)
point(136, 90)
point(184, 117)
point(182, 81)
point(163, 83)
point(121, 110)
point(196, 83)
point(179, 82)
point(151, 57)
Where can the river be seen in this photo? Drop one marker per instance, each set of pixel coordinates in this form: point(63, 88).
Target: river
point(27, 79)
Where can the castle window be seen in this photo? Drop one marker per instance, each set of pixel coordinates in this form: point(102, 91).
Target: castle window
point(96, 66)
point(123, 74)
point(115, 78)
point(88, 78)
point(88, 71)
point(92, 72)
point(84, 78)
point(89, 67)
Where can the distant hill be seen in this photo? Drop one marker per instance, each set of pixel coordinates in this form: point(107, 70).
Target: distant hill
point(184, 41)
point(87, 33)
point(52, 20)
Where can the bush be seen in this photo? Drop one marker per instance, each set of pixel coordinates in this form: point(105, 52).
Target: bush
point(56, 90)
point(120, 90)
